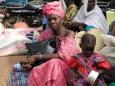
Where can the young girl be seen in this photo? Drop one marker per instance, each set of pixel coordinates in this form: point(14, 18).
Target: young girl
point(86, 61)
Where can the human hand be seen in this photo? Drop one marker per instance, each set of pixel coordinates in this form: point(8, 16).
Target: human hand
point(73, 24)
point(77, 25)
point(27, 64)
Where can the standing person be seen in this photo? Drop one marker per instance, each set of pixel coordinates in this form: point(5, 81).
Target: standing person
point(54, 71)
point(87, 61)
point(89, 16)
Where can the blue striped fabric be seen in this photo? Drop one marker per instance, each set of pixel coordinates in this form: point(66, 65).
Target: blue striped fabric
point(17, 78)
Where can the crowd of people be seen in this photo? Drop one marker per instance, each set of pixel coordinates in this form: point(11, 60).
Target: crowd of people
point(83, 44)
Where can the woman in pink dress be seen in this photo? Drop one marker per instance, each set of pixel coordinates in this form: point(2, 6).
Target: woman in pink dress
point(54, 72)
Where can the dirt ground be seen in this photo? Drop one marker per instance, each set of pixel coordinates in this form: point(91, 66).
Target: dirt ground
point(6, 65)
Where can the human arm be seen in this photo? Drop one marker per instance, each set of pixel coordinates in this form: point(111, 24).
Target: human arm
point(45, 56)
point(72, 62)
point(92, 21)
point(77, 26)
point(73, 68)
point(100, 62)
point(28, 63)
point(102, 67)
point(66, 49)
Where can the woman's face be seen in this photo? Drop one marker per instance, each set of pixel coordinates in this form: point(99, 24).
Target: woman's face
point(91, 5)
point(54, 21)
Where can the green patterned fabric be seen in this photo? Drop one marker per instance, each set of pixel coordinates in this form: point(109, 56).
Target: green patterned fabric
point(70, 13)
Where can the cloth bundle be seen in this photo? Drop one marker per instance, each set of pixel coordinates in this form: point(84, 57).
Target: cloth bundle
point(12, 42)
point(109, 50)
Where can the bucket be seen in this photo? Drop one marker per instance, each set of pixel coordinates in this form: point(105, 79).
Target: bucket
point(92, 77)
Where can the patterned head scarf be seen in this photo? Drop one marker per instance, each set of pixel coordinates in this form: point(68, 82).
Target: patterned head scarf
point(54, 8)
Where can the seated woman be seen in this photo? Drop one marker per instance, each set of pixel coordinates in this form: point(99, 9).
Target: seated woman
point(91, 20)
point(83, 63)
point(89, 16)
point(55, 69)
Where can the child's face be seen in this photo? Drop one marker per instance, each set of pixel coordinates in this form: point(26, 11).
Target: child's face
point(87, 50)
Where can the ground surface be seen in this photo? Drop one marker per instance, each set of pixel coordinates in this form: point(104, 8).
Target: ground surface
point(6, 65)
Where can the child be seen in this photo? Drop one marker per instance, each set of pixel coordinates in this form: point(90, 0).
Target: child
point(86, 61)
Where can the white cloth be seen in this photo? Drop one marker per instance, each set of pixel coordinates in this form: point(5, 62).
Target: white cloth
point(12, 42)
point(109, 50)
point(109, 54)
point(109, 40)
point(93, 18)
point(1, 26)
